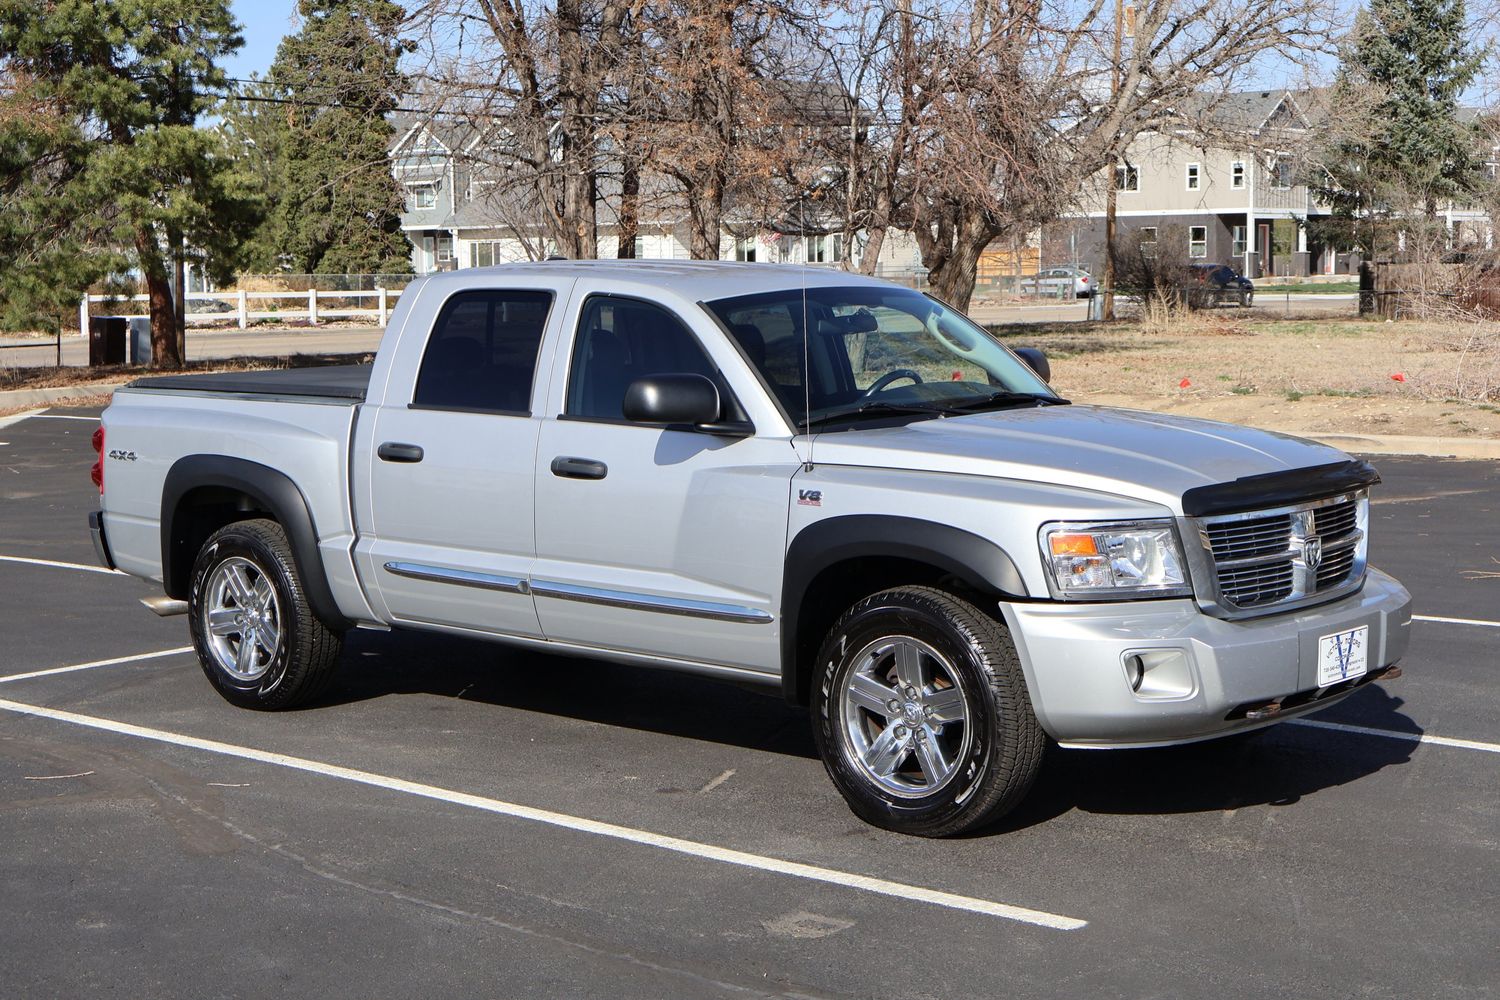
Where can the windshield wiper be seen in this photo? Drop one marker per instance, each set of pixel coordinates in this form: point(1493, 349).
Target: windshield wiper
point(946, 408)
point(880, 408)
point(1005, 397)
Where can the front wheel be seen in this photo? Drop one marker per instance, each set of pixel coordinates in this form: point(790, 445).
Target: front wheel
point(921, 714)
point(257, 638)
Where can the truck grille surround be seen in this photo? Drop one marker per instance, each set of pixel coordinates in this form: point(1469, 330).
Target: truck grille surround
point(1265, 561)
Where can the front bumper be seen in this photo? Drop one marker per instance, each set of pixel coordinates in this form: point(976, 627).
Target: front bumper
point(1202, 672)
point(101, 541)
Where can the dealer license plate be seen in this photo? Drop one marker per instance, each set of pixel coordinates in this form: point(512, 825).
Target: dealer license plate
point(1342, 656)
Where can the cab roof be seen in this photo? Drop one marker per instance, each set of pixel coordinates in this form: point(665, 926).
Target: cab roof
point(704, 280)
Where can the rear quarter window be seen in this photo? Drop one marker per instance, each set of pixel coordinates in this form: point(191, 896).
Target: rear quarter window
point(482, 352)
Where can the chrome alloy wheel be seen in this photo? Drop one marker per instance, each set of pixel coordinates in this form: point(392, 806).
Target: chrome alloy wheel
point(905, 718)
point(241, 618)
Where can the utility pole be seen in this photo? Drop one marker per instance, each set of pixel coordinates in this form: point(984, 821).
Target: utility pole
point(1111, 188)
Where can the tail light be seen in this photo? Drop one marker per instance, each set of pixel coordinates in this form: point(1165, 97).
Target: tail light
point(1084, 279)
point(97, 472)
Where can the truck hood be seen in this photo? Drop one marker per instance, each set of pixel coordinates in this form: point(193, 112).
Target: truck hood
point(1129, 453)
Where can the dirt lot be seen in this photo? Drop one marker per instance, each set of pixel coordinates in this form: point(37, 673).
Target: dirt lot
point(1326, 376)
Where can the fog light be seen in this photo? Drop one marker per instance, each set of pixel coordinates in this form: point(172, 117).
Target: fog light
point(1160, 674)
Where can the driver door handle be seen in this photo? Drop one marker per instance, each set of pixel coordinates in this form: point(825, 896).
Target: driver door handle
point(394, 451)
point(578, 468)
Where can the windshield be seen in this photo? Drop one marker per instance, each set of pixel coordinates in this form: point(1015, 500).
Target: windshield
point(874, 351)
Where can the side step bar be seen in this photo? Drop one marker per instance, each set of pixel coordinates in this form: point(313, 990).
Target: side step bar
point(165, 606)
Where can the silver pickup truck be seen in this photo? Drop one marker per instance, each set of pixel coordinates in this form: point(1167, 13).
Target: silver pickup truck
point(796, 478)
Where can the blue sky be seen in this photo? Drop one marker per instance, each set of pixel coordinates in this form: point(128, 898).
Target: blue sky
point(264, 22)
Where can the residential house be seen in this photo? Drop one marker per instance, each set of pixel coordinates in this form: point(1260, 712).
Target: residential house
point(466, 208)
point(1240, 197)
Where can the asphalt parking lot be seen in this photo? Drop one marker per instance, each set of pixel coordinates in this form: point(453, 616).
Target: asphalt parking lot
point(458, 819)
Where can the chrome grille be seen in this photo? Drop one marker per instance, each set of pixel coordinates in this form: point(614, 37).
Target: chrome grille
point(1256, 585)
point(1270, 560)
point(1261, 536)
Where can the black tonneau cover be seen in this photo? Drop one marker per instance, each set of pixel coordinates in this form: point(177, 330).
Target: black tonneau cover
point(341, 382)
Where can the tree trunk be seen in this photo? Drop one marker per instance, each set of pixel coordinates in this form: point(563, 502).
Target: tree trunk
point(164, 350)
point(957, 268)
point(871, 258)
point(576, 93)
point(630, 207)
point(706, 217)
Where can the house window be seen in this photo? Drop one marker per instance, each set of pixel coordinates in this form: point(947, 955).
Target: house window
point(640, 248)
point(421, 196)
point(1194, 176)
point(445, 251)
point(1237, 248)
point(1148, 234)
point(744, 249)
point(1281, 173)
point(1127, 178)
point(1237, 175)
point(1197, 241)
point(485, 253)
point(825, 249)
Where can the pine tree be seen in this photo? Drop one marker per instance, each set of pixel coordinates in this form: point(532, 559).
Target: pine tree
point(325, 135)
point(1404, 147)
point(127, 175)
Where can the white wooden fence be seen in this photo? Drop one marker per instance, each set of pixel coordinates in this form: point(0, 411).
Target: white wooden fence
point(306, 306)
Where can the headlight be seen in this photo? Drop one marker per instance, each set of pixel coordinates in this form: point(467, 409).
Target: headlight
point(1110, 561)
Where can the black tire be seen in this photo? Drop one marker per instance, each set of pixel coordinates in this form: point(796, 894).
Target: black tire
point(306, 651)
point(995, 755)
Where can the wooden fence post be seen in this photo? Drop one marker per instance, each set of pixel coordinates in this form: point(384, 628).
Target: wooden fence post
point(244, 309)
point(383, 310)
point(312, 307)
point(83, 315)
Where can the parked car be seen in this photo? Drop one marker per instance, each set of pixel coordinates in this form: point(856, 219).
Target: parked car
point(793, 478)
point(1059, 282)
point(1216, 284)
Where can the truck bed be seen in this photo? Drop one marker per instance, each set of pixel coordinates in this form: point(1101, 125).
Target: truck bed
point(340, 383)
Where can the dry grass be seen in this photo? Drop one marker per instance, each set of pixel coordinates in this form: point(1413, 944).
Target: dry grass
point(1414, 377)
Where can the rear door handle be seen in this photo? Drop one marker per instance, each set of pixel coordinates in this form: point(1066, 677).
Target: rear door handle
point(578, 468)
point(394, 451)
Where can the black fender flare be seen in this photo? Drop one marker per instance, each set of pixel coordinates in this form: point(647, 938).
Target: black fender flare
point(269, 490)
point(977, 561)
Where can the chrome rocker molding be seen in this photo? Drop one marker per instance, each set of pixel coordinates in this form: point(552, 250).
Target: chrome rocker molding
point(463, 578)
point(651, 602)
point(587, 595)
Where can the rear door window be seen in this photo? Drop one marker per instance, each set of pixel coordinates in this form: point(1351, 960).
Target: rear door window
point(482, 353)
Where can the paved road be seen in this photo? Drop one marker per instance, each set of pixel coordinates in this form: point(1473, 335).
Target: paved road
point(181, 859)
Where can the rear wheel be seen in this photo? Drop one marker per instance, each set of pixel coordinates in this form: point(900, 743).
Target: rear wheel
point(257, 638)
point(921, 714)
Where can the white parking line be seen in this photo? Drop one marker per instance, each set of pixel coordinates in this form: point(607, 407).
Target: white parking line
point(97, 663)
point(1392, 734)
point(1455, 621)
point(16, 418)
point(709, 852)
point(60, 565)
point(63, 416)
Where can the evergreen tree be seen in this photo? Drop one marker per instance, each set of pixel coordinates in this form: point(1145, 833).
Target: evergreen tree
point(1403, 147)
point(325, 135)
point(125, 176)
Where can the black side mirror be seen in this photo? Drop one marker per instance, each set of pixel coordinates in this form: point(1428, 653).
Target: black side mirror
point(1036, 361)
point(672, 399)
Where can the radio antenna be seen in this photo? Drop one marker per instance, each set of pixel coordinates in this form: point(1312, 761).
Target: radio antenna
point(807, 466)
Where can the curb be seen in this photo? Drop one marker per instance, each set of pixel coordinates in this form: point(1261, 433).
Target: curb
point(38, 397)
point(1392, 444)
